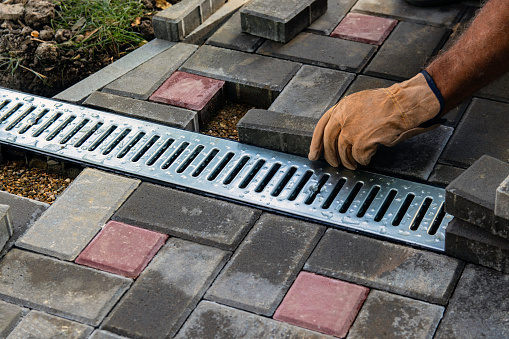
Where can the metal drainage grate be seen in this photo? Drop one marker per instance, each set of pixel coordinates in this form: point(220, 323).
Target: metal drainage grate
point(387, 207)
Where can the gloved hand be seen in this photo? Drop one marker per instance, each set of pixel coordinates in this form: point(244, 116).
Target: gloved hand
point(353, 128)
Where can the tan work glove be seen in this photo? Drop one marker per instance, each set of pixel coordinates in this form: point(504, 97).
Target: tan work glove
point(357, 124)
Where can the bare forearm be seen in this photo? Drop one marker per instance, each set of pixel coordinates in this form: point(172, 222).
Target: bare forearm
point(478, 57)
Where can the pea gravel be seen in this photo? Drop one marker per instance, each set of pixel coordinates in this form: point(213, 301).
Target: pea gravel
point(224, 124)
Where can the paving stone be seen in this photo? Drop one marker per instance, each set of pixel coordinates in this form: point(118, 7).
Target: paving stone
point(194, 217)
point(249, 78)
point(471, 196)
point(100, 334)
point(336, 10)
point(477, 309)
point(502, 200)
point(151, 111)
point(480, 130)
point(496, 90)
point(167, 291)
point(41, 325)
point(334, 53)
point(211, 320)
point(442, 175)
point(322, 304)
point(364, 28)
point(191, 91)
point(10, 315)
point(78, 214)
point(382, 265)
point(230, 36)
point(5, 225)
point(24, 213)
point(400, 9)
point(312, 91)
point(277, 131)
point(280, 20)
point(406, 51)
point(122, 249)
point(468, 242)
point(142, 81)
point(414, 158)
point(386, 315)
point(58, 287)
point(80, 91)
point(265, 264)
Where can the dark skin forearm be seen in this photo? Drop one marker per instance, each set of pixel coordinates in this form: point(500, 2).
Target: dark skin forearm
point(477, 58)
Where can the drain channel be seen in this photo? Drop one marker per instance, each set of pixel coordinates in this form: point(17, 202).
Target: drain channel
point(384, 206)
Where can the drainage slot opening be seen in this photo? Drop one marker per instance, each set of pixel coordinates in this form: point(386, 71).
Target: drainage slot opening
point(300, 185)
point(101, 138)
point(205, 162)
point(438, 220)
point(21, 117)
point(10, 112)
point(284, 181)
point(116, 141)
point(47, 124)
point(233, 174)
point(226, 159)
point(175, 155)
point(254, 171)
point(160, 151)
point(268, 177)
point(145, 148)
point(63, 125)
point(34, 121)
point(334, 193)
point(386, 204)
point(420, 215)
point(190, 159)
point(87, 135)
point(403, 209)
point(316, 189)
point(369, 200)
point(351, 197)
point(74, 131)
point(130, 145)
point(4, 103)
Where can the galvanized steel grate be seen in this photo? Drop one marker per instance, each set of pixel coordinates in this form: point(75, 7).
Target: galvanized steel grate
point(387, 207)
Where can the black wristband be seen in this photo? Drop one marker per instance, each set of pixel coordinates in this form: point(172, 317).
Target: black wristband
point(436, 119)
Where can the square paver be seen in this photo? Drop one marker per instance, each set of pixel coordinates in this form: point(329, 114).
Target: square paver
point(10, 315)
point(364, 28)
point(41, 325)
point(5, 225)
point(442, 175)
point(122, 249)
point(496, 90)
point(336, 10)
point(322, 304)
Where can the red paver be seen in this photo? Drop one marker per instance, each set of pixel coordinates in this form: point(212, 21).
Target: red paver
point(122, 249)
point(187, 90)
point(364, 28)
point(322, 304)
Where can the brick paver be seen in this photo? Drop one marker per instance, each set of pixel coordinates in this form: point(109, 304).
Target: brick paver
point(5, 225)
point(364, 28)
point(41, 325)
point(336, 10)
point(10, 315)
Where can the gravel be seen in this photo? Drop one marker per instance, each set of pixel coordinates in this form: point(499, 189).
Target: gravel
point(224, 124)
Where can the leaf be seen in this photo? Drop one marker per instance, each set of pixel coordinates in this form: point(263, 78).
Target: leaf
point(136, 22)
point(78, 24)
point(162, 4)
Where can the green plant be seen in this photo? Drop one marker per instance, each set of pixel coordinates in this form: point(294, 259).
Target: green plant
point(9, 63)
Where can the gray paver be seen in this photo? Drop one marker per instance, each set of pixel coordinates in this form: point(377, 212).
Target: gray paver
point(265, 264)
point(336, 10)
point(10, 314)
point(100, 334)
point(312, 91)
point(334, 53)
point(194, 217)
point(414, 158)
point(142, 81)
point(78, 214)
point(437, 15)
point(41, 325)
point(5, 225)
point(280, 20)
point(278, 131)
point(379, 264)
point(405, 52)
point(230, 36)
point(211, 320)
point(177, 21)
point(502, 200)
point(80, 91)
point(249, 78)
point(467, 242)
point(58, 287)
point(386, 315)
point(442, 175)
point(471, 196)
point(162, 114)
point(496, 90)
point(480, 130)
point(167, 291)
point(478, 308)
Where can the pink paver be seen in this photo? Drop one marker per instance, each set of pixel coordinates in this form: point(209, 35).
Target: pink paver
point(364, 28)
point(187, 90)
point(122, 249)
point(322, 304)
